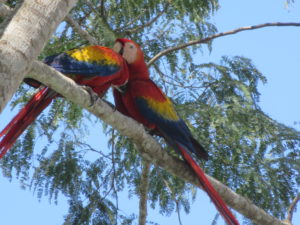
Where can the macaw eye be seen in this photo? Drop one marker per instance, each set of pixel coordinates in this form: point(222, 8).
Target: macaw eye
point(131, 46)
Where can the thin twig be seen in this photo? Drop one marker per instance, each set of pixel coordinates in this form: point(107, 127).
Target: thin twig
point(86, 13)
point(101, 16)
point(102, 9)
point(175, 199)
point(83, 33)
point(149, 23)
point(133, 21)
point(178, 212)
point(209, 38)
point(90, 148)
point(113, 136)
point(143, 191)
point(162, 76)
point(292, 209)
point(179, 84)
point(104, 182)
point(113, 172)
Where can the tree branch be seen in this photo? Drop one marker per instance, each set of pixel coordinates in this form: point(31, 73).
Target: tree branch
point(23, 39)
point(292, 209)
point(146, 144)
point(83, 33)
point(4, 10)
point(178, 212)
point(149, 23)
point(175, 199)
point(143, 191)
point(113, 182)
point(209, 38)
point(101, 14)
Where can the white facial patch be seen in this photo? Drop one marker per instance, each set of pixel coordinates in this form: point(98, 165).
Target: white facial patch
point(130, 52)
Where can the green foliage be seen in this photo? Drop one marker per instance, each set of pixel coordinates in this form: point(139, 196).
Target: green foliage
point(250, 152)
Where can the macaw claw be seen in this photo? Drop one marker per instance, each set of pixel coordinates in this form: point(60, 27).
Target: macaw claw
point(93, 95)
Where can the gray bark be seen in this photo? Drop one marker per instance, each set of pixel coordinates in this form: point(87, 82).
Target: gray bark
point(23, 39)
point(143, 189)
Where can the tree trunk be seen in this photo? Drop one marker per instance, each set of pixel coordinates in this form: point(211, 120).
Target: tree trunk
point(23, 39)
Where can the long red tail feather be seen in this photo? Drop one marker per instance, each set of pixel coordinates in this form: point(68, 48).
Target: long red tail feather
point(24, 118)
point(207, 186)
point(23, 112)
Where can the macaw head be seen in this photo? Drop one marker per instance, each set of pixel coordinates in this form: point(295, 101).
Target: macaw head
point(133, 55)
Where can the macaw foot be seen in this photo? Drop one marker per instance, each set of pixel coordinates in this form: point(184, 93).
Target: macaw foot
point(93, 95)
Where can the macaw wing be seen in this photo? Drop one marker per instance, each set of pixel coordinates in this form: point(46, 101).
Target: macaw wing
point(163, 115)
point(158, 109)
point(87, 61)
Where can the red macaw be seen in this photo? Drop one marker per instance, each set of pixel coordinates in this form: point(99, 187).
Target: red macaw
point(97, 67)
point(146, 103)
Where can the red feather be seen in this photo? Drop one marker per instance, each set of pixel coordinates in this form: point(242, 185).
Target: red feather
point(146, 103)
point(210, 190)
point(25, 117)
point(95, 66)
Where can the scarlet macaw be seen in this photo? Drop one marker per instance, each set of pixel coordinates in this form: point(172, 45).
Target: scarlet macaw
point(146, 103)
point(97, 67)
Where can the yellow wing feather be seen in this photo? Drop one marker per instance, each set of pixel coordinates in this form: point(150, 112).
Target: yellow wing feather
point(93, 54)
point(164, 108)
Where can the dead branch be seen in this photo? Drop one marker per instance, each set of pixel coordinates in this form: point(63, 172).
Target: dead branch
point(222, 34)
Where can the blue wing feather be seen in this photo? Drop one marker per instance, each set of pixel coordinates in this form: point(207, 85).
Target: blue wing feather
point(172, 129)
point(68, 65)
point(149, 105)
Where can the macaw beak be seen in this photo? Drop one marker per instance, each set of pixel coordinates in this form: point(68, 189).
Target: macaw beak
point(119, 47)
point(121, 50)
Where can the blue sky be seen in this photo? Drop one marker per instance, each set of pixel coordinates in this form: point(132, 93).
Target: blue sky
point(276, 53)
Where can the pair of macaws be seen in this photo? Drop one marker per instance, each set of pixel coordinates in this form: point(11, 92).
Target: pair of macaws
point(123, 66)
